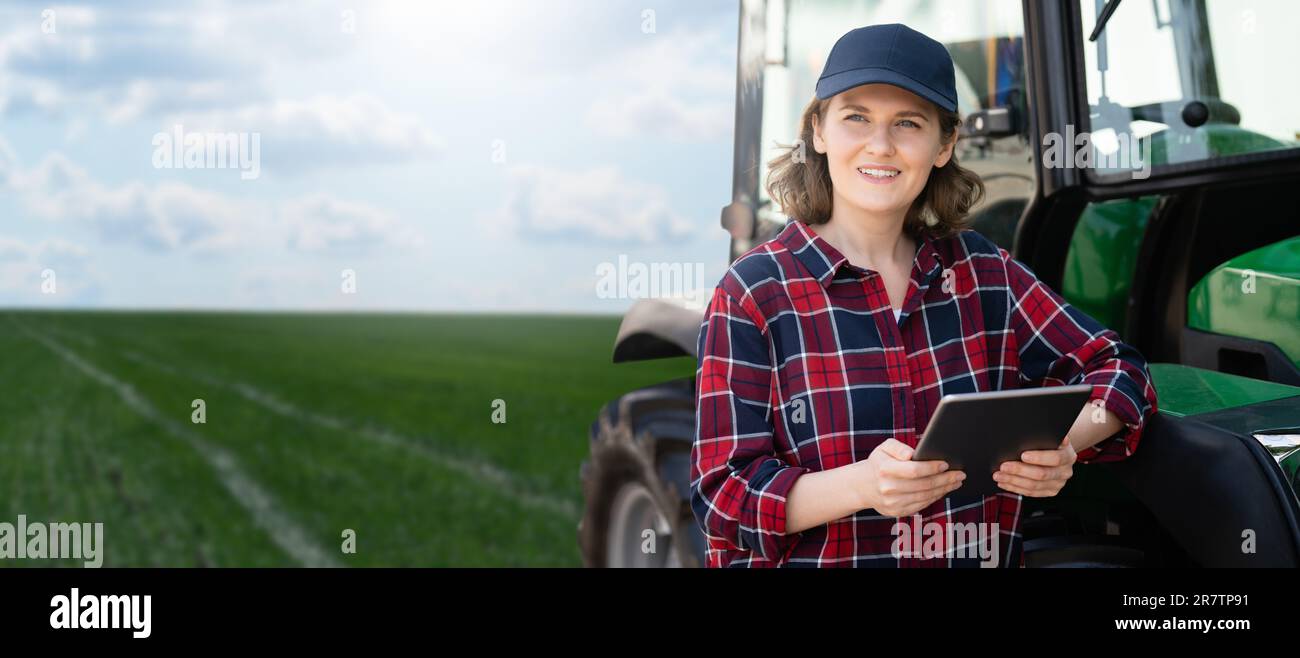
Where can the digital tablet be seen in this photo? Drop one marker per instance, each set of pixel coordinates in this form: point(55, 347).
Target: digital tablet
point(976, 432)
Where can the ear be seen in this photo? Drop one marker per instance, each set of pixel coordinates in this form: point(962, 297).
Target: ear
point(945, 153)
point(819, 144)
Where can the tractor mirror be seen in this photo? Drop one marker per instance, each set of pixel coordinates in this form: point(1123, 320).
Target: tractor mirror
point(992, 123)
point(738, 218)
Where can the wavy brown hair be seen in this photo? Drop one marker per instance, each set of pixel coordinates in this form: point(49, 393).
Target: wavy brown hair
point(799, 179)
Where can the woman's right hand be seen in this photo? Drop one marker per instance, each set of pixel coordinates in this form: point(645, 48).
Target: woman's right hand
point(892, 484)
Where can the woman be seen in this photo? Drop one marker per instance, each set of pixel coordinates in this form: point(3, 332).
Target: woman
point(825, 350)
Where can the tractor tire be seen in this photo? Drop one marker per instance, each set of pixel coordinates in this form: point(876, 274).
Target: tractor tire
point(636, 482)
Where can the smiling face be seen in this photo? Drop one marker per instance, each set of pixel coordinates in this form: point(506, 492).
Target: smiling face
point(880, 143)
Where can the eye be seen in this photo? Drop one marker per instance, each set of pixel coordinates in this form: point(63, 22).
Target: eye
point(857, 116)
point(909, 123)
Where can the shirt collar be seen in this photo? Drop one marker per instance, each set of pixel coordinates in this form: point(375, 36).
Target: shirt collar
point(823, 260)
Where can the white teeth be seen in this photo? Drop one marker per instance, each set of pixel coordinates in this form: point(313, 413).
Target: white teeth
point(885, 173)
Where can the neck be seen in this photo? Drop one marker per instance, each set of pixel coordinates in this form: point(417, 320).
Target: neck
point(867, 239)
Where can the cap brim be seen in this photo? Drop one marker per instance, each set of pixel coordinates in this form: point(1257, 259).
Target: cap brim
point(845, 80)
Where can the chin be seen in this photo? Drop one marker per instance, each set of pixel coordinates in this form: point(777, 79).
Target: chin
point(874, 204)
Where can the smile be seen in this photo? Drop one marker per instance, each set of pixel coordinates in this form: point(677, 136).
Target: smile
point(878, 176)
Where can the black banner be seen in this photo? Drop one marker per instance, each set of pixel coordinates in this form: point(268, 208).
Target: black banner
point(162, 606)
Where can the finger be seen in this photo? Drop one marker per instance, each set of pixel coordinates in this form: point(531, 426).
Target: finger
point(1025, 470)
point(913, 470)
point(930, 495)
point(1031, 493)
point(1041, 473)
point(1018, 490)
point(896, 485)
point(1039, 487)
point(896, 449)
point(1045, 457)
point(1068, 449)
point(917, 501)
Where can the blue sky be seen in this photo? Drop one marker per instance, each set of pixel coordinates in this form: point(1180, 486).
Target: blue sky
point(455, 156)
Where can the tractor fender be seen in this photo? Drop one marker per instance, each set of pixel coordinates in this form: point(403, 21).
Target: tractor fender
point(657, 329)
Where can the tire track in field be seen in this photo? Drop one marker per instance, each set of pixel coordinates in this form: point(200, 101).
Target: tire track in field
point(259, 503)
point(508, 483)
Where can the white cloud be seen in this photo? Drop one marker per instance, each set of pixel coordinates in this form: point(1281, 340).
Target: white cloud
point(139, 98)
point(323, 224)
point(167, 216)
point(692, 60)
point(173, 216)
point(9, 167)
point(65, 266)
point(139, 59)
point(599, 205)
point(323, 130)
point(678, 85)
point(657, 113)
point(125, 62)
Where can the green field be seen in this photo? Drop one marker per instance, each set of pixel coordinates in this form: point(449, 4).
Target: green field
point(315, 423)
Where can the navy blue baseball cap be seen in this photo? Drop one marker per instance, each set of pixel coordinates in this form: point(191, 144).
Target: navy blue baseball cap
point(892, 54)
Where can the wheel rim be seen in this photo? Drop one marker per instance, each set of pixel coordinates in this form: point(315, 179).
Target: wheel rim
point(632, 513)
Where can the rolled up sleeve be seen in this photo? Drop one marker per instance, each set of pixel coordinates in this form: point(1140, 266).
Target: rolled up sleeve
point(738, 484)
point(1059, 344)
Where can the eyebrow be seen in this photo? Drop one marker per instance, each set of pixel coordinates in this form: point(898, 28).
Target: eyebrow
point(904, 113)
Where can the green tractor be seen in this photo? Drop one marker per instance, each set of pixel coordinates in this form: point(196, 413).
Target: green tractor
point(1173, 220)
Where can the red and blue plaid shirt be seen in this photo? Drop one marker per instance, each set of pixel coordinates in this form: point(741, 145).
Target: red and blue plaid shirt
point(803, 367)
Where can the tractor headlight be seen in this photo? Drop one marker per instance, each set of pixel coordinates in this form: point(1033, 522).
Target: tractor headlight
point(1281, 444)
point(1284, 445)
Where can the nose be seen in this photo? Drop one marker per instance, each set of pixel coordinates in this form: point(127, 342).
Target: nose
point(879, 141)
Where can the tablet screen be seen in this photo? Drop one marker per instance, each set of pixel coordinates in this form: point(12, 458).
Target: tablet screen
point(977, 432)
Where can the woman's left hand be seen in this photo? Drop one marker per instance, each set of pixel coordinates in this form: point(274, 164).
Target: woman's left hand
point(1040, 473)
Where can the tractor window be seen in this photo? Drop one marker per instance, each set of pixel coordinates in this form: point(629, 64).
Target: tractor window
point(985, 40)
point(1181, 81)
